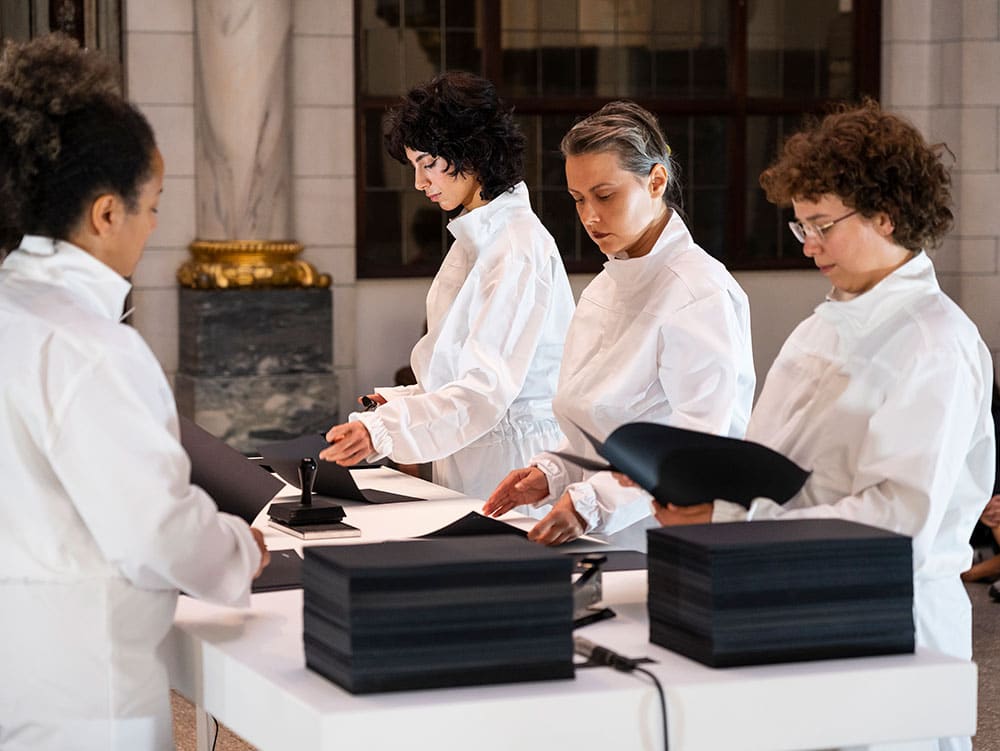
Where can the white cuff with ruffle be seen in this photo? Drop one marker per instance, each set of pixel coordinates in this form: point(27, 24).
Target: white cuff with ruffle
point(555, 475)
point(585, 502)
point(381, 440)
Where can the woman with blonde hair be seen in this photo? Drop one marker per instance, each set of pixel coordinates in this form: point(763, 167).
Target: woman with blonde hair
point(662, 334)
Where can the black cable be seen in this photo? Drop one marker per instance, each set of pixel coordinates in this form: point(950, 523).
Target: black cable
point(602, 656)
point(663, 702)
point(216, 738)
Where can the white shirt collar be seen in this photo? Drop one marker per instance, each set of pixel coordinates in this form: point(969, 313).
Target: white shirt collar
point(97, 286)
point(913, 279)
point(674, 238)
point(470, 224)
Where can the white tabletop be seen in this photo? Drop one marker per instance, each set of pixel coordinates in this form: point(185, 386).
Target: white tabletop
point(247, 668)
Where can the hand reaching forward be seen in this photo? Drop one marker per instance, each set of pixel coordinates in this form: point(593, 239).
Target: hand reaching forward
point(350, 444)
point(561, 524)
point(521, 487)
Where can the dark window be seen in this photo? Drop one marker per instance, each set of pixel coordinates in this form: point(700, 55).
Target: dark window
point(727, 78)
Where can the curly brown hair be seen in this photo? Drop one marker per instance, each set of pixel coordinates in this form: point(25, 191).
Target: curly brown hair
point(66, 137)
point(872, 161)
point(461, 118)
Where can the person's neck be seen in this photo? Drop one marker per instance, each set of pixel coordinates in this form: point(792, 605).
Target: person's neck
point(650, 235)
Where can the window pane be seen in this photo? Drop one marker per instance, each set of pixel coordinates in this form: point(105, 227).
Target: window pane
point(520, 63)
point(381, 170)
point(799, 49)
point(382, 73)
point(768, 235)
point(689, 46)
point(421, 56)
point(383, 239)
point(558, 71)
point(462, 52)
point(554, 127)
point(422, 13)
point(460, 14)
point(558, 213)
point(423, 230)
point(699, 148)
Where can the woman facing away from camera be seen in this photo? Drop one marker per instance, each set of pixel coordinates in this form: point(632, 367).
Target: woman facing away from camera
point(662, 334)
point(100, 525)
point(884, 392)
point(497, 310)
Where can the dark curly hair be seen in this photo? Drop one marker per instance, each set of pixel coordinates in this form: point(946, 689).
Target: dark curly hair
point(66, 137)
point(872, 161)
point(459, 117)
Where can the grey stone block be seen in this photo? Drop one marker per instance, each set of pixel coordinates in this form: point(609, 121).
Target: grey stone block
point(248, 411)
point(255, 332)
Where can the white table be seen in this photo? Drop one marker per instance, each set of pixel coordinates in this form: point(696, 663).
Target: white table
point(247, 669)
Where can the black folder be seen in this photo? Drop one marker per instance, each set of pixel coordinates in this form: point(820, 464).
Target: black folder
point(283, 572)
point(238, 485)
point(332, 480)
point(687, 467)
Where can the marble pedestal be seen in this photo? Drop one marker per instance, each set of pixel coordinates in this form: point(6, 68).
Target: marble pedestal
point(256, 364)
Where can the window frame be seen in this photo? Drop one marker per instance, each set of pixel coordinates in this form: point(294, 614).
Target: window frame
point(736, 108)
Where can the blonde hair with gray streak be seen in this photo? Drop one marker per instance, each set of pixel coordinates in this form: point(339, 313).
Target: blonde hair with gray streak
point(634, 135)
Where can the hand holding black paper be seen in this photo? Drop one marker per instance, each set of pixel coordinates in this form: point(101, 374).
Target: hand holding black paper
point(687, 467)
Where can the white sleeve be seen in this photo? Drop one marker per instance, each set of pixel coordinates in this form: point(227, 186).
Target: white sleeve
point(910, 460)
point(397, 392)
point(506, 322)
point(558, 472)
point(702, 351)
point(606, 506)
point(116, 452)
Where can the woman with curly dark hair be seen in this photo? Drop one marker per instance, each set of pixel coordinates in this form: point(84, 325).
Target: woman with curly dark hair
point(497, 310)
point(884, 392)
point(99, 523)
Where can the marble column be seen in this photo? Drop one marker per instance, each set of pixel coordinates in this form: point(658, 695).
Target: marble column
point(241, 109)
point(255, 324)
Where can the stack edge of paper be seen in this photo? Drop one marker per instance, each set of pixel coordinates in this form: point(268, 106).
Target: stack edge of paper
point(432, 613)
point(780, 591)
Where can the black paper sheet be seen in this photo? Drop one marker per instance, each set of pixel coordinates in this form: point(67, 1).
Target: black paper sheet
point(688, 467)
point(332, 480)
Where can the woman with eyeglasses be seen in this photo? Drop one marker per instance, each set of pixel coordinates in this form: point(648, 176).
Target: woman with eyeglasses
point(661, 335)
point(884, 392)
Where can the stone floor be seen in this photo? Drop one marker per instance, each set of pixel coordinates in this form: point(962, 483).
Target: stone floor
point(986, 653)
point(985, 648)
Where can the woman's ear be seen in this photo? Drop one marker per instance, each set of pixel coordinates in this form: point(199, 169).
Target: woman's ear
point(105, 215)
point(883, 224)
point(657, 181)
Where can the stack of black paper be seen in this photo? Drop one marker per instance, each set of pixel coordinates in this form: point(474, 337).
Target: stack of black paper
point(431, 613)
point(780, 591)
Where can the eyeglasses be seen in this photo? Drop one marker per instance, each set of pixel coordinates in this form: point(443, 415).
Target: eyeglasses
point(803, 230)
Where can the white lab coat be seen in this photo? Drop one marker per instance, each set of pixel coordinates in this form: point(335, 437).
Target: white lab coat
point(99, 524)
point(886, 398)
point(663, 338)
point(497, 314)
